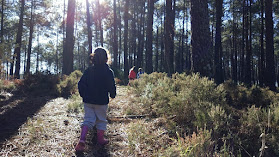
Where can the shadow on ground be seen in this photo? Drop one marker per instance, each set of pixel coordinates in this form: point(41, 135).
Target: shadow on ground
point(15, 111)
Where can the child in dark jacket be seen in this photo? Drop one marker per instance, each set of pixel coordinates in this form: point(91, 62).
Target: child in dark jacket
point(94, 86)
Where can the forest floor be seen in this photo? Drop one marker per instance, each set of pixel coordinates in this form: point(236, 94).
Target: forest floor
point(41, 126)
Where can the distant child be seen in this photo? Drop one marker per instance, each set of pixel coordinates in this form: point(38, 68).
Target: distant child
point(94, 86)
point(140, 71)
point(132, 75)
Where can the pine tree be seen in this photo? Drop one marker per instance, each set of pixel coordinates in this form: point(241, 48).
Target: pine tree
point(69, 43)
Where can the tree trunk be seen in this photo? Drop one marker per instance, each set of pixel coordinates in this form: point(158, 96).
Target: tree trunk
point(141, 36)
point(12, 66)
point(242, 60)
point(270, 67)
point(162, 43)
point(24, 61)
point(187, 55)
point(173, 34)
point(96, 9)
point(169, 36)
point(56, 55)
point(99, 22)
point(129, 42)
point(178, 56)
point(248, 50)
point(218, 44)
point(126, 18)
point(157, 50)
point(182, 60)
point(69, 44)
point(133, 36)
point(234, 49)
point(2, 33)
point(120, 36)
point(149, 37)
point(200, 40)
point(84, 56)
point(30, 39)
point(64, 23)
point(38, 60)
point(262, 54)
point(101, 33)
point(251, 76)
point(19, 40)
point(115, 37)
point(2, 21)
point(88, 22)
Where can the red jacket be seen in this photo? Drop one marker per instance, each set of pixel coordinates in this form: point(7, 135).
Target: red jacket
point(132, 75)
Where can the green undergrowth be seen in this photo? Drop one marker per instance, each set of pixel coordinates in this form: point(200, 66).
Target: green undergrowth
point(44, 83)
point(69, 84)
point(232, 117)
point(75, 106)
point(65, 86)
point(41, 83)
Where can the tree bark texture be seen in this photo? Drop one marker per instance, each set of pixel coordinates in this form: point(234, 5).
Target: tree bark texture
point(89, 31)
point(19, 40)
point(262, 54)
point(126, 18)
point(69, 43)
point(115, 37)
point(169, 37)
point(149, 37)
point(30, 39)
point(218, 43)
point(200, 39)
point(270, 65)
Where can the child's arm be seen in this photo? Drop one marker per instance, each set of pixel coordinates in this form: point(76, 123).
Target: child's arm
point(82, 85)
point(111, 85)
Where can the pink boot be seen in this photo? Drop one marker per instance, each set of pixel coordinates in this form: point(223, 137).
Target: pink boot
point(100, 137)
point(81, 144)
point(80, 147)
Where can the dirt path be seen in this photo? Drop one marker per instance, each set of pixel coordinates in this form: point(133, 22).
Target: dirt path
point(52, 131)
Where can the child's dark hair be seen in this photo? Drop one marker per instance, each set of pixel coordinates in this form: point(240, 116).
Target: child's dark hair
point(100, 56)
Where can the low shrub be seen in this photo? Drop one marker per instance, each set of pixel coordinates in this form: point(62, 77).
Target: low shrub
point(235, 115)
point(69, 84)
point(239, 96)
point(139, 85)
point(188, 97)
point(40, 83)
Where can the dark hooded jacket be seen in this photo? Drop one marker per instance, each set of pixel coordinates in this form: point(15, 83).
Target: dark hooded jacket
point(97, 84)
